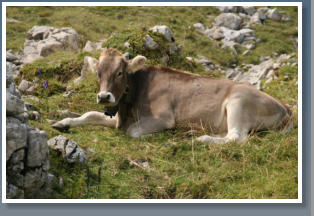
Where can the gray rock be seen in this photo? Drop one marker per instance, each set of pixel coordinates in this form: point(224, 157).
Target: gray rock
point(199, 27)
point(165, 31)
point(273, 14)
point(232, 35)
point(93, 46)
point(58, 143)
point(150, 43)
point(90, 64)
point(14, 192)
point(24, 85)
point(37, 151)
point(14, 105)
point(11, 70)
point(34, 180)
point(16, 136)
point(228, 20)
point(249, 10)
point(89, 47)
point(48, 46)
point(39, 32)
point(256, 73)
point(10, 56)
point(258, 18)
point(69, 149)
point(12, 90)
point(16, 164)
point(215, 33)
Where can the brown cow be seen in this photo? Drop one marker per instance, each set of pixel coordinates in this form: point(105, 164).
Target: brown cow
point(148, 99)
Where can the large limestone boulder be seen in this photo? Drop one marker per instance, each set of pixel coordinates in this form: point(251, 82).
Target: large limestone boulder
point(44, 40)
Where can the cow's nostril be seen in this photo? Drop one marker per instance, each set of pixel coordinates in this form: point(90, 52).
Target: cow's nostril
point(107, 96)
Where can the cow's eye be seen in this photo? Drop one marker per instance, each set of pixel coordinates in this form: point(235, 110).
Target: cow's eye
point(119, 74)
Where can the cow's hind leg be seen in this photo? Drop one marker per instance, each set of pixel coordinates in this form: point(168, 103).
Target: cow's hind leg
point(238, 125)
point(89, 118)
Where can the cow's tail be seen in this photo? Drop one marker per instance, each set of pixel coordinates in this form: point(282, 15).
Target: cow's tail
point(286, 123)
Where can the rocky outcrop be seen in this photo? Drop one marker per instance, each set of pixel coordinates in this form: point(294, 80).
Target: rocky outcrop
point(27, 152)
point(254, 74)
point(44, 40)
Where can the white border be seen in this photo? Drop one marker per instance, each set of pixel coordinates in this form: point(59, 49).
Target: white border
point(299, 200)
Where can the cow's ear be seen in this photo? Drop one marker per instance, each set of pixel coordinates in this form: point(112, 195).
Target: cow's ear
point(137, 63)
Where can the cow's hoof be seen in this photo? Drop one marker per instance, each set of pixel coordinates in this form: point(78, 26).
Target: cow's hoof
point(61, 127)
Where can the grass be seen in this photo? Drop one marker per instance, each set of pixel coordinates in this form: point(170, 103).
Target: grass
point(263, 167)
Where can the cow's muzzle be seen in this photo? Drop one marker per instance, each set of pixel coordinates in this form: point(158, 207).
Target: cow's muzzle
point(106, 98)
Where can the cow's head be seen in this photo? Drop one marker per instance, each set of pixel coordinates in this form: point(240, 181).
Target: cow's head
point(112, 75)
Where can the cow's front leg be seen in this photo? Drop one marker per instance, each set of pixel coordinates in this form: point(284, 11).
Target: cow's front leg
point(149, 125)
point(89, 118)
